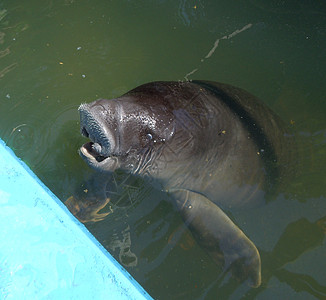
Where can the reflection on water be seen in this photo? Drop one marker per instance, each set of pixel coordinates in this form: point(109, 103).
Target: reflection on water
point(126, 257)
point(21, 137)
point(281, 255)
point(4, 52)
point(190, 11)
point(211, 52)
point(6, 70)
point(120, 44)
point(14, 30)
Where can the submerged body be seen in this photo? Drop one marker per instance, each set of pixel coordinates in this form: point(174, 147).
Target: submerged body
point(211, 145)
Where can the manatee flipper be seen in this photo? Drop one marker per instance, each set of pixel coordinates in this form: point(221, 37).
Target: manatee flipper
point(219, 236)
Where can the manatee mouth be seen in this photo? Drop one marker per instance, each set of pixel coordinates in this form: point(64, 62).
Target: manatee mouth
point(98, 151)
point(92, 150)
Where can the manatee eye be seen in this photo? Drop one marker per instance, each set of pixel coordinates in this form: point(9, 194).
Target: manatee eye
point(150, 137)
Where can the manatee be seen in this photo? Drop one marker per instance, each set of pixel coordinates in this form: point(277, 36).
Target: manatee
point(212, 146)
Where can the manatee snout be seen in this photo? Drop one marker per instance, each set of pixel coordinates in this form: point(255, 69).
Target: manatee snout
point(97, 122)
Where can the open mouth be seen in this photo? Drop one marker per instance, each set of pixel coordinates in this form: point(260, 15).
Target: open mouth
point(92, 149)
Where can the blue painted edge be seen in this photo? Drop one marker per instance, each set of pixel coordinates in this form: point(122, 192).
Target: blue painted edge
point(45, 252)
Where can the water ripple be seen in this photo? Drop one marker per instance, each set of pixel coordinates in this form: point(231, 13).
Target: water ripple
point(21, 137)
point(39, 138)
point(7, 69)
point(52, 134)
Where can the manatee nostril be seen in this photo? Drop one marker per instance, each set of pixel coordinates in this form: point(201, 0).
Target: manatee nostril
point(84, 132)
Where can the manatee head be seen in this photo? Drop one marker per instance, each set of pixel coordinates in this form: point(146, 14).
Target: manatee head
point(125, 133)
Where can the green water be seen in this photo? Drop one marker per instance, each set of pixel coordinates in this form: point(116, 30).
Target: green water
point(55, 54)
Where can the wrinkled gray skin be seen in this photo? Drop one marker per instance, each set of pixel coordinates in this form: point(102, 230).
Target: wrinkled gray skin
point(210, 145)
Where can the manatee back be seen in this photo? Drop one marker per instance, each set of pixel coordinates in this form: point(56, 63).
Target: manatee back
point(268, 131)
